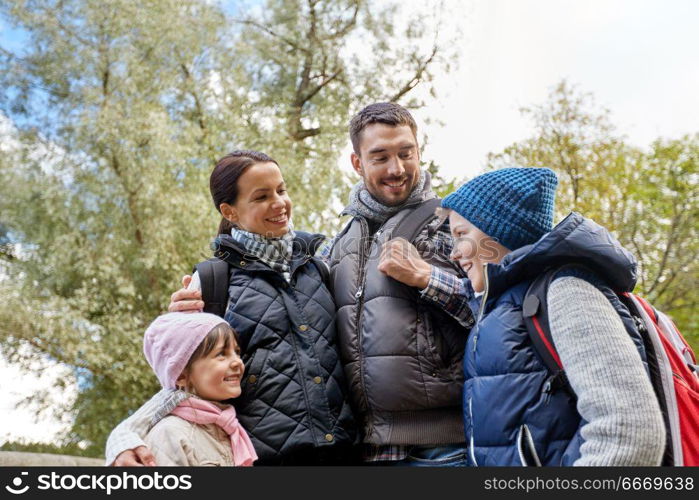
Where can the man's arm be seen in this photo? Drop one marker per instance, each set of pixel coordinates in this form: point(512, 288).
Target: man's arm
point(446, 291)
point(184, 300)
point(402, 261)
point(172, 444)
point(128, 435)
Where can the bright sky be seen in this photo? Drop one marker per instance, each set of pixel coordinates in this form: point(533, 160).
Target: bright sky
point(21, 422)
point(638, 57)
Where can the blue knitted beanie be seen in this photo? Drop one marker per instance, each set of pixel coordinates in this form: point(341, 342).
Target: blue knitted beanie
point(512, 205)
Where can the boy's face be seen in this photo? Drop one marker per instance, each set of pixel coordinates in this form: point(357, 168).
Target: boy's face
point(388, 161)
point(216, 376)
point(473, 249)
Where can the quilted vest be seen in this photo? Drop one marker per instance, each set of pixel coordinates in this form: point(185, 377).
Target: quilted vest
point(402, 356)
point(294, 396)
point(513, 415)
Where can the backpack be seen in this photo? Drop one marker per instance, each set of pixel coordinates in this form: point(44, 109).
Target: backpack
point(672, 365)
point(214, 273)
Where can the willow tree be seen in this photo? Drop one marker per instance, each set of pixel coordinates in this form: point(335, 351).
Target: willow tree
point(646, 197)
point(113, 116)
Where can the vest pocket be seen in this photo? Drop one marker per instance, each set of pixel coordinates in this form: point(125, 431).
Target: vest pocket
point(525, 447)
point(434, 344)
point(253, 370)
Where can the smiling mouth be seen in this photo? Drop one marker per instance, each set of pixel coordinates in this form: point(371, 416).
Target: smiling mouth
point(395, 184)
point(279, 219)
point(232, 378)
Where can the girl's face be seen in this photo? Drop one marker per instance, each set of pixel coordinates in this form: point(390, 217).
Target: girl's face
point(263, 205)
point(217, 375)
point(473, 248)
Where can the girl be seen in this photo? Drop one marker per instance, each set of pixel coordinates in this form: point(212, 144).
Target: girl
point(294, 402)
point(199, 356)
point(513, 413)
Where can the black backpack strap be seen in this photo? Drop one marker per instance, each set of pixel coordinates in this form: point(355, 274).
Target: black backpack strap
point(411, 226)
point(323, 269)
point(535, 313)
point(536, 318)
point(215, 278)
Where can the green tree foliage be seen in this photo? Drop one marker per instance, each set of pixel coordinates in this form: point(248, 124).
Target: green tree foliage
point(441, 185)
point(118, 110)
point(71, 449)
point(646, 197)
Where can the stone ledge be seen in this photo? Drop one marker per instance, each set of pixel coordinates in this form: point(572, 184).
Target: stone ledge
point(23, 458)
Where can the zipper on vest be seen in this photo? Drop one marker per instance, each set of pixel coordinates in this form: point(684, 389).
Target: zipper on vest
point(548, 389)
point(359, 295)
point(484, 299)
point(525, 445)
point(485, 292)
point(471, 449)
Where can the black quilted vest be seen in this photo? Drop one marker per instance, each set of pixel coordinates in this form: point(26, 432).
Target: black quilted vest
point(294, 400)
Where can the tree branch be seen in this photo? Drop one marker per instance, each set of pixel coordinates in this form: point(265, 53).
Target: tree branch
point(130, 197)
point(305, 133)
point(312, 92)
point(272, 33)
point(344, 30)
point(197, 104)
point(666, 252)
point(417, 77)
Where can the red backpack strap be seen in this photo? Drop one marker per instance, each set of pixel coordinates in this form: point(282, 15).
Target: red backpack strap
point(676, 335)
point(660, 377)
point(536, 319)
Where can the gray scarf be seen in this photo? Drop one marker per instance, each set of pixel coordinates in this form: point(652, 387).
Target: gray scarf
point(363, 204)
point(275, 252)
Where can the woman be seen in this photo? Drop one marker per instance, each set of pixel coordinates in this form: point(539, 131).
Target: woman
point(294, 400)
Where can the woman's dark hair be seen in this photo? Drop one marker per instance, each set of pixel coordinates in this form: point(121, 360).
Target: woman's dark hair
point(223, 182)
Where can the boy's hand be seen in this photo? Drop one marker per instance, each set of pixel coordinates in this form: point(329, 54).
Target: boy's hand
point(138, 457)
point(184, 300)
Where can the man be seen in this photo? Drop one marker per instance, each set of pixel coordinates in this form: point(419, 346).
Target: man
point(401, 350)
point(402, 316)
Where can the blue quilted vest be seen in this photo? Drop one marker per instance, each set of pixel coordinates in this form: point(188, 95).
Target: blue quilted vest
point(512, 414)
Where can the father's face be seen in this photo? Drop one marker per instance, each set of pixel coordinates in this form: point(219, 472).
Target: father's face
point(388, 161)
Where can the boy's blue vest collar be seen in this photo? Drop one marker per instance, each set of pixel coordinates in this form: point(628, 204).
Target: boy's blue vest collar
point(574, 239)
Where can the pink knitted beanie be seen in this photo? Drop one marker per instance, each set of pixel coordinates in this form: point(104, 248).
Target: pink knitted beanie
point(171, 340)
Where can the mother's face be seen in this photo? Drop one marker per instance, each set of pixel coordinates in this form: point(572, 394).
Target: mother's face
point(263, 205)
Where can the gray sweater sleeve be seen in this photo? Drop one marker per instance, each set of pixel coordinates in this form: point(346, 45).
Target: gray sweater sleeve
point(129, 433)
point(624, 424)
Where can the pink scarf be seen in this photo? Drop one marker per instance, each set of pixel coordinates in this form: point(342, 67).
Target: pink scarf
point(200, 411)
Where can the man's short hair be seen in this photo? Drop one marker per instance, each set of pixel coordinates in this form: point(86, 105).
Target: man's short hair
point(388, 113)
